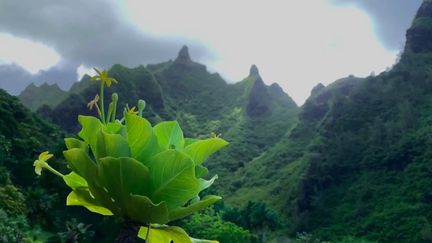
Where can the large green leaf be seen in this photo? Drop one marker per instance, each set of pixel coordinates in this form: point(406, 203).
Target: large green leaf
point(168, 234)
point(199, 151)
point(141, 209)
point(105, 199)
point(82, 197)
point(76, 143)
point(81, 163)
point(169, 135)
point(204, 184)
point(173, 178)
point(189, 141)
point(200, 171)
point(113, 127)
point(90, 127)
point(141, 138)
point(73, 180)
point(123, 177)
point(111, 145)
point(182, 212)
point(203, 241)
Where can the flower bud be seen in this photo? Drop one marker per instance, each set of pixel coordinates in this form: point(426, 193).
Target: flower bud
point(141, 106)
point(114, 97)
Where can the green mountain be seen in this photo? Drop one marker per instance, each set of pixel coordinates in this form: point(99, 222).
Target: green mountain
point(358, 162)
point(22, 136)
point(34, 96)
point(202, 102)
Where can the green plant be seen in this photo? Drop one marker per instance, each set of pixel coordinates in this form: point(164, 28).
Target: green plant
point(143, 175)
point(255, 216)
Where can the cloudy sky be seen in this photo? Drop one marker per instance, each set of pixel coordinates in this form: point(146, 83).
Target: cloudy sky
point(295, 43)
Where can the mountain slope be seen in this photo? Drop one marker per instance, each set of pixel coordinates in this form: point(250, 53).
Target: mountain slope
point(359, 161)
point(249, 114)
point(23, 135)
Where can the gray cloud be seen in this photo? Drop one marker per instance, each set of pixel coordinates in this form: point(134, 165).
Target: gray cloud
point(92, 33)
point(391, 18)
point(64, 74)
point(14, 78)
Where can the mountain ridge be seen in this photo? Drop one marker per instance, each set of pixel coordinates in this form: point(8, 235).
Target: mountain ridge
point(201, 101)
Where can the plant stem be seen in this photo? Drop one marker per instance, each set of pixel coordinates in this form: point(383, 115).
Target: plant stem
point(98, 110)
point(54, 171)
point(110, 110)
point(101, 100)
point(114, 111)
point(147, 240)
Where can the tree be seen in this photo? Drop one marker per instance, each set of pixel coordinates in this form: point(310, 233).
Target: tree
point(256, 216)
point(209, 224)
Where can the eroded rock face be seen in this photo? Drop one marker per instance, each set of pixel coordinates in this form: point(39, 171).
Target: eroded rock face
point(259, 99)
point(183, 55)
point(184, 60)
point(317, 89)
point(254, 71)
point(425, 9)
point(419, 36)
point(419, 39)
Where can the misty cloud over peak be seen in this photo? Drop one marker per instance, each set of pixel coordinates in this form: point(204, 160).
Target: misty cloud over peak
point(88, 33)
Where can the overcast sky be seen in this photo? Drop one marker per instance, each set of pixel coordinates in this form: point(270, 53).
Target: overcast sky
point(295, 43)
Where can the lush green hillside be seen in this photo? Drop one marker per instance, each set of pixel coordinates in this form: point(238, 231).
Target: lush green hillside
point(27, 204)
point(359, 161)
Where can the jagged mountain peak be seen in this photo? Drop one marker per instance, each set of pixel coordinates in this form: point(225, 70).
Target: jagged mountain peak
point(184, 60)
point(253, 71)
point(32, 87)
point(259, 99)
point(34, 96)
point(317, 88)
point(46, 85)
point(183, 55)
point(276, 88)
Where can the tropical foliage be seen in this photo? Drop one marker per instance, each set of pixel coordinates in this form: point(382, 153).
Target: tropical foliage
point(128, 169)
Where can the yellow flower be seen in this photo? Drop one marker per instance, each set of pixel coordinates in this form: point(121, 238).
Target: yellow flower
point(41, 162)
point(132, 110)
point(103, 77)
